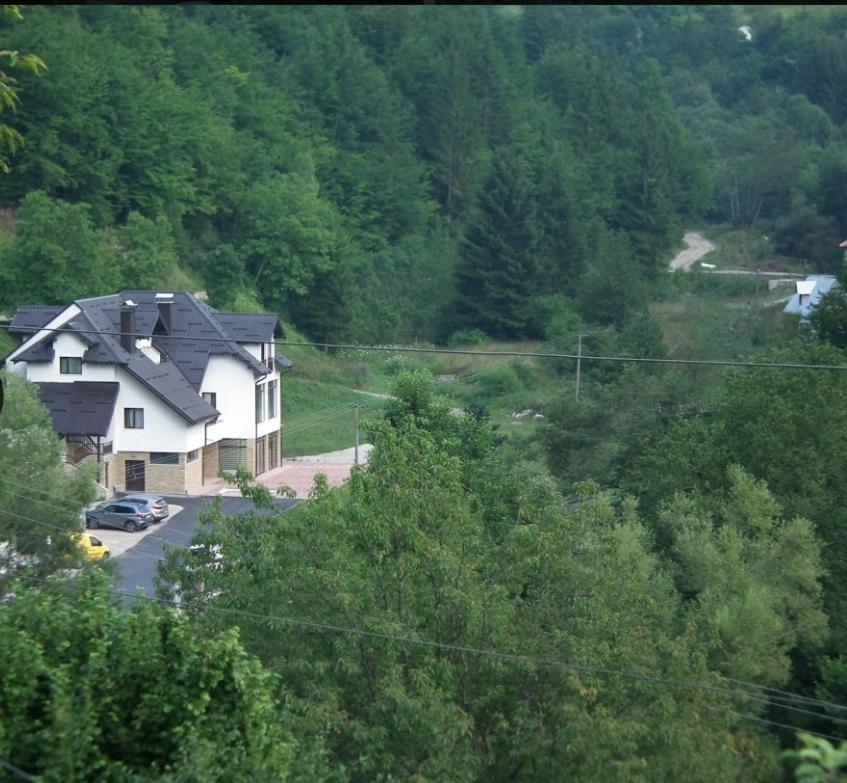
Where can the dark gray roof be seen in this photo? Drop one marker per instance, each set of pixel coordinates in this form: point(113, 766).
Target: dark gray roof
point(81, 407)
point(42, 351)
point(282, 363)
point(171, 386)
point(29, 320)
point(176, 380)
point(250, 327)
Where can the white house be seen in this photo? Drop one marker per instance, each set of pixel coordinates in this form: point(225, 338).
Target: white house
point(808, 293)
point(162, 390)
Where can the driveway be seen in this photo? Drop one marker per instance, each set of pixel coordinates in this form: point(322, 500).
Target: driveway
point(138, 563)
point(698, 246)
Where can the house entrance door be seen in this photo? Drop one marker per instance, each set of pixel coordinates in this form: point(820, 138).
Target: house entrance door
point(135, 475)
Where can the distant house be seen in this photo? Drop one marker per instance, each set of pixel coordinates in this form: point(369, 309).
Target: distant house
point(159, 388)
point(808, 293)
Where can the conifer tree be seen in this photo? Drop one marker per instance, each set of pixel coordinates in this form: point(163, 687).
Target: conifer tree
point(499, 272)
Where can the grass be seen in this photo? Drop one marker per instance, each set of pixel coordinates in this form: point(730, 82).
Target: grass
point(749, 250)
point(724, 326)
point(319, 416)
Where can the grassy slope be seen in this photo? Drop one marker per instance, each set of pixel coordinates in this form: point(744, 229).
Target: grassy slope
point(701, 316)
point(749, 250)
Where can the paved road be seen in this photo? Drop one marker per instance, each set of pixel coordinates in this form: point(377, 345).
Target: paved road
point(138, 564)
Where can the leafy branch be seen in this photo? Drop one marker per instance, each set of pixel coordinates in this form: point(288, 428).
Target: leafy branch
point(11, 139)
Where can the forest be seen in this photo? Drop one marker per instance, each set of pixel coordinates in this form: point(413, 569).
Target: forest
point(648, 583)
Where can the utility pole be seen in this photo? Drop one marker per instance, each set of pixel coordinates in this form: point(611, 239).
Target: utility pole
point(356, 428)
point(578, 362)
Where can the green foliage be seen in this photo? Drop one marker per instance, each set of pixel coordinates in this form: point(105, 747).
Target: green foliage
point(818, 761)
point(89, 689)
point(11, 139)
point(499, 274)
point(437, 540)
point(767, 422)
point(329, 163)
point(57, 254)
point(828, 318)
point(40, 504)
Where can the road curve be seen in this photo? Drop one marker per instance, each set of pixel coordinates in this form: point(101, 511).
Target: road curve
point(698, 246)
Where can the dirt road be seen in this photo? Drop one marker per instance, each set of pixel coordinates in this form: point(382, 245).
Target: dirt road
point(698, 246)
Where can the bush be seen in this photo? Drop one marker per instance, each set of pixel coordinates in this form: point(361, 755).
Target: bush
point(465, 337)
point(499, 381)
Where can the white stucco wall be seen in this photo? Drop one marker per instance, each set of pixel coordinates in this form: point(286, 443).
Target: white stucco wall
point(164, 429)
point(68, 345)
point(232, 382)
point(56, 323)
point(235, 386)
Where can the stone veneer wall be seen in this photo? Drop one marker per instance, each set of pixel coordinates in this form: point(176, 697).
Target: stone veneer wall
point(157, 478)
point(211, 467)
point(194, 473)
point(251, 455)
point(165, 478)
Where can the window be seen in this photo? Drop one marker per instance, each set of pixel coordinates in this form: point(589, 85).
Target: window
point(211, 398)
point(134, 418)
point(192, 455)
point(260, 404)
point(164, 458)
point(267, 355)
point(272, 400)
point(70, 365)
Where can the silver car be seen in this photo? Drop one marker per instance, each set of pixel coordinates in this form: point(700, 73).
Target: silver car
point(124, 516)
point(155, 504)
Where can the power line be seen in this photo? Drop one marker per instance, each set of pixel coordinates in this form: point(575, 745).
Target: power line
point(459, 649)
point(17, 771)
point(584, 357)
point(779, 700)
point(520, 354)
point(755, 697)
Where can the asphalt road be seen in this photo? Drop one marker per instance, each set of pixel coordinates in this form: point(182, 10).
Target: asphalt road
point(138, 564)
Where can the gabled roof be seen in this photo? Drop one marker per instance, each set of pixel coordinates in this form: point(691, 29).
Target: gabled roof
point(171, 386)
point(250, 327)
point(814, 287)
point(193, 332)
point(81, 407)
point(28, 320)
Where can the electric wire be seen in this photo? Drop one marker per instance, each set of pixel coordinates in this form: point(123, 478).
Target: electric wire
point(760, 697)
point(17, 771)
point(469, 352)
point(454, 649)
point(779, 700)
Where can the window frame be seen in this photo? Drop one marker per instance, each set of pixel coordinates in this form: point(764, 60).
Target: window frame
point(189, 458)
point(214, 398)
point(130, 418)
point(64, 362)
point(156, 458)
point(272, 400)
point(260, 403)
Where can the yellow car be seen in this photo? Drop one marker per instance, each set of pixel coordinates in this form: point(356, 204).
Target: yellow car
point(92, 547)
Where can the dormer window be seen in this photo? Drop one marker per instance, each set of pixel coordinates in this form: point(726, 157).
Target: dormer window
point(70, 365)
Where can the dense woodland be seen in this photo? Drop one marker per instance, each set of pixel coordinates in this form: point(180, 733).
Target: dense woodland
point(665, 586)
point(386, 173)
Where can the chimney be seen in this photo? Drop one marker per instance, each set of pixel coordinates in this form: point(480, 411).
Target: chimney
point(128, 326)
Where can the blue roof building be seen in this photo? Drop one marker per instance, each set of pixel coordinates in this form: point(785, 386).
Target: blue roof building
point(809, 292)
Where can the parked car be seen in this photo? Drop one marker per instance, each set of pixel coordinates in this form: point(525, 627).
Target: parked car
point(155, 504)
point(92, 547)
point(124, 516)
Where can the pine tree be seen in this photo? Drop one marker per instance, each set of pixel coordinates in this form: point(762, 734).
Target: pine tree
point(498, 275)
